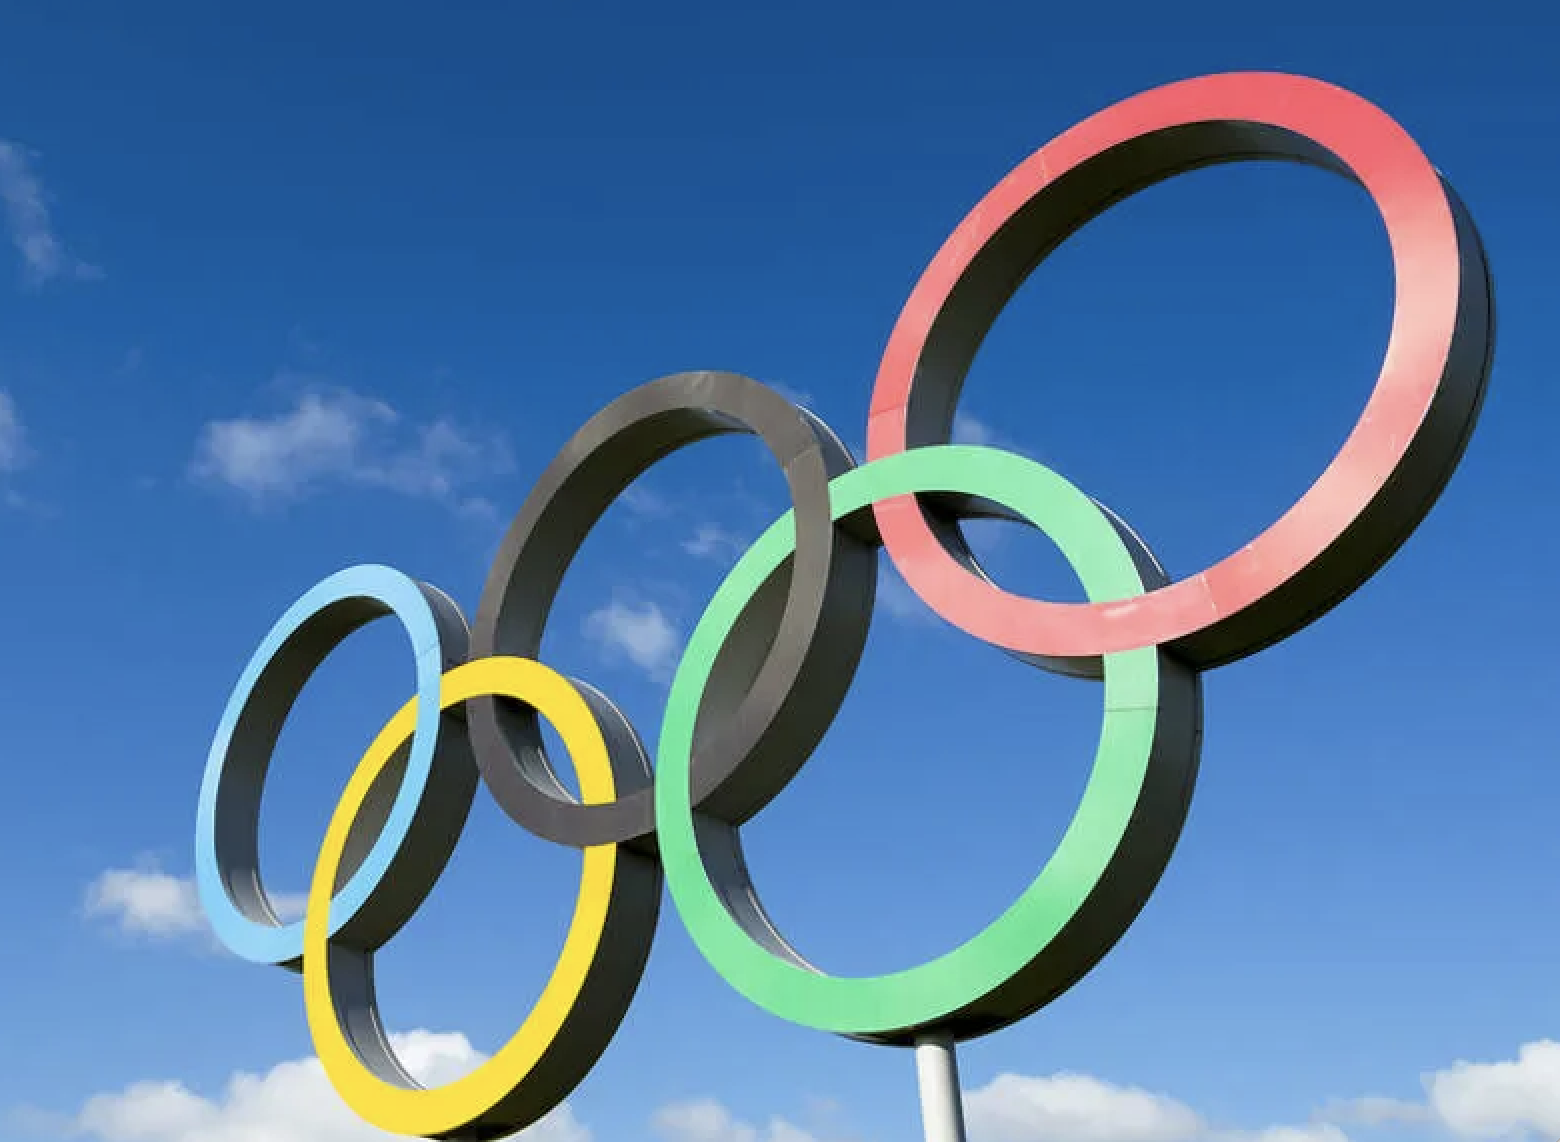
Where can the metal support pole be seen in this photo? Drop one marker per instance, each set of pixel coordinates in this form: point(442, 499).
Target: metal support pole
point(937, 1073)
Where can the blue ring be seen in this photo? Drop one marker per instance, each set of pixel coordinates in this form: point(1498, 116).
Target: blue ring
point(264, 943)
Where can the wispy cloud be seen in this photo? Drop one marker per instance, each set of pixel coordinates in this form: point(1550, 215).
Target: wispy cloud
point(147, 902)
point(706, 1120)
point(642, 501)
point(970, 429)
point(14, 451)
point(44, 256)
point(1374, 1110)
point(638, 632)
point(799, 397)
point(898, 600)
point(339, 437)
point(967, 429)
point(711, 541)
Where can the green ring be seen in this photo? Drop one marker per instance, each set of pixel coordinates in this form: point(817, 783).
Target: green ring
point(923, 996)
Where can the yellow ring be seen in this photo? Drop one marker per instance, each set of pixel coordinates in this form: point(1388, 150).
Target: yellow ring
point(466, 1102)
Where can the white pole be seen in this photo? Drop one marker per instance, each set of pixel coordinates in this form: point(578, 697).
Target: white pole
point(937, 1073)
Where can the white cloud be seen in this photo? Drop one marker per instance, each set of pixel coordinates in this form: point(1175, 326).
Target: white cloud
point(14, 452)
point(145, 901)
point(292, 1101)
point(895, 596)
point(639, 632)
point(1075, 1108)
point(1511, 1098)
point(968, 429)
point(1487, 1101)
point(1067, 1107)
point(644, 502)
point(1311, 1132)
point(1494, 1100)
point(1016, 1108)
point(340, 437)
point(706, 1120)
point(700, 1120)
point(711, 541)
point(971, 429)
point(27, 219)
point(1374, 1110)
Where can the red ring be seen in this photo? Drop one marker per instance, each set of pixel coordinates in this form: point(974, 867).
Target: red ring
point(1377, 488)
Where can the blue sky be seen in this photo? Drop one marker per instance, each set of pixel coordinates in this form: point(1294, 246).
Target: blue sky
point(310, 286)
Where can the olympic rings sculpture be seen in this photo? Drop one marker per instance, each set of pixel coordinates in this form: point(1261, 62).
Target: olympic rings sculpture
point(771, 660)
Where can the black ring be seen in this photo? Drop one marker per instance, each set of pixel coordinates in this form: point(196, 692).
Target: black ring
point(782, 675)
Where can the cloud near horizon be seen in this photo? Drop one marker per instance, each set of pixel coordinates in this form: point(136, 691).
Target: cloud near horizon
point(293, 1100)
point(1482, 1101)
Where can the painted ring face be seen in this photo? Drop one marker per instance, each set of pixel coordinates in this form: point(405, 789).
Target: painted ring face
point(787, 669)
point(395, 851)
point(1088, 892)
point(1368, 500)
point(584, 999)
point(775, 652)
